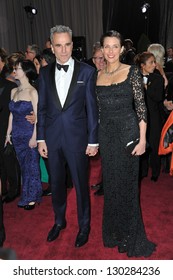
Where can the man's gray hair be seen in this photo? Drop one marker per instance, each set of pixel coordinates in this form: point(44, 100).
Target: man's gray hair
point(60, 29)
point(34, 48)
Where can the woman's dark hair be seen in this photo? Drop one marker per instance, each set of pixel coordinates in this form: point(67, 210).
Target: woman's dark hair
point(141, 58)
point(6, 71)
point(11, 63)
point(112, 33)
point(29, 68)
point(48, 55)
point(38, 57)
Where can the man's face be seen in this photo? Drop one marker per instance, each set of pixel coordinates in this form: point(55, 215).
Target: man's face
point(99, 60)
point(170, 52)
point(29, 54)
point(62, 46)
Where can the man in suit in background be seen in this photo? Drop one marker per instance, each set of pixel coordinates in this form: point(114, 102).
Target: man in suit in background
point(67, 129)
point(9, 166)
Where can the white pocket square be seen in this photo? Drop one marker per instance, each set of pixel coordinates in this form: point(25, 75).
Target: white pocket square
point(80, 82)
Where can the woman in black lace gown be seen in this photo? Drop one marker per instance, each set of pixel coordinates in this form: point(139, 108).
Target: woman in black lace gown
point(122, 120)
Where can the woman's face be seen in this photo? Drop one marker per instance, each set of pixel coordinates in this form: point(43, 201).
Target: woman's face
point(19, 72)
point(149, 65)
point(112, 49)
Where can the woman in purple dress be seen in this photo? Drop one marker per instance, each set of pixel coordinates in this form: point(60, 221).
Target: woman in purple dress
point(24, 100)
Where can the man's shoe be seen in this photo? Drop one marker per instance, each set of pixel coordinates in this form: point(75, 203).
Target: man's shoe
point(99, 192)
point(46, 192)
point(154, 178)
point(54, 232)
point(81, 239)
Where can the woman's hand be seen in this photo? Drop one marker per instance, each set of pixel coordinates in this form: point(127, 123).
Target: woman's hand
point(168, 105)
point(7, 140)
point(32, 143)
point(139, 149)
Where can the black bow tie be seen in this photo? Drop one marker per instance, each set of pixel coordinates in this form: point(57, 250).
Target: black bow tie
point(65, 67)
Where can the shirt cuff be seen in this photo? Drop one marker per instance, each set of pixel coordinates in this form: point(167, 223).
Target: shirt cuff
point(93, 145)
point(40, 141)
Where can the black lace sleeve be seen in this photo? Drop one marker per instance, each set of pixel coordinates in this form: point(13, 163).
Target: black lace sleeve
point(138, 91)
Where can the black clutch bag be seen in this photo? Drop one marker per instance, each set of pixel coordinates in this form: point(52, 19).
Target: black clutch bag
point(9, 150)
point(131, 145)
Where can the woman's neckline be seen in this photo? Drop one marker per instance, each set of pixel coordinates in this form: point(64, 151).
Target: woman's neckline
point(15, 101)
point(118, 83)
point(19, 89)
point(106, 72)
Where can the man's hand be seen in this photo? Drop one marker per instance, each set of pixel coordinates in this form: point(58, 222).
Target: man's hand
point(31, 118)
point(91, 151)
point(168, 105)
point(42, 148)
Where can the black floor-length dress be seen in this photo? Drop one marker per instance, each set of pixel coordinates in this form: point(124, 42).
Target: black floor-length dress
point(121, 108)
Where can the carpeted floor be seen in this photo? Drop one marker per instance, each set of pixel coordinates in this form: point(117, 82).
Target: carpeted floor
point(26, 231)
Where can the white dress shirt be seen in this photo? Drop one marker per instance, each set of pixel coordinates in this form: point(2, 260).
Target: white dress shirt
point(63, 80)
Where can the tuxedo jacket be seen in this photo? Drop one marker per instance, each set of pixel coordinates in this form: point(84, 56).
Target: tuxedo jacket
point(154, 96)
point(76, 123)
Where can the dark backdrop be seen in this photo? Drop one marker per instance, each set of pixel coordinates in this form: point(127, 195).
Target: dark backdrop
point(126, 17)
point(87, 19)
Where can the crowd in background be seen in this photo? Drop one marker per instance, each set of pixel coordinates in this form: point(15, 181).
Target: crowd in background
point(156, 69)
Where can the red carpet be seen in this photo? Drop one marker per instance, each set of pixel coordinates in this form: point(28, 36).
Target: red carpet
point(26, 232)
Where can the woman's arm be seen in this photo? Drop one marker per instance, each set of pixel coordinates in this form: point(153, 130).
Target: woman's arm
point(140, 148)
point(141, 111)
point(9, 129)
point(34, 100)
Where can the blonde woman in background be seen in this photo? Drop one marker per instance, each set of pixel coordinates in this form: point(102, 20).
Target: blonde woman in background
point(159, 52)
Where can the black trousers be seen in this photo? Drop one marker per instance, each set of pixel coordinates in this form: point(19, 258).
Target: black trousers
point(2, 229)
point(10, 173)
point(68, 181)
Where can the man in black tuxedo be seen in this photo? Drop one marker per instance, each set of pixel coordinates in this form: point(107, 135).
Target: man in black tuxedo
point(9, 167)
point(5, 92)
point(67, 129)
point(154, 96)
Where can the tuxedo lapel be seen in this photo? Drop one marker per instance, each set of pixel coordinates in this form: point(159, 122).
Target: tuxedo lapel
point(54, 89)
point(72, 84)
